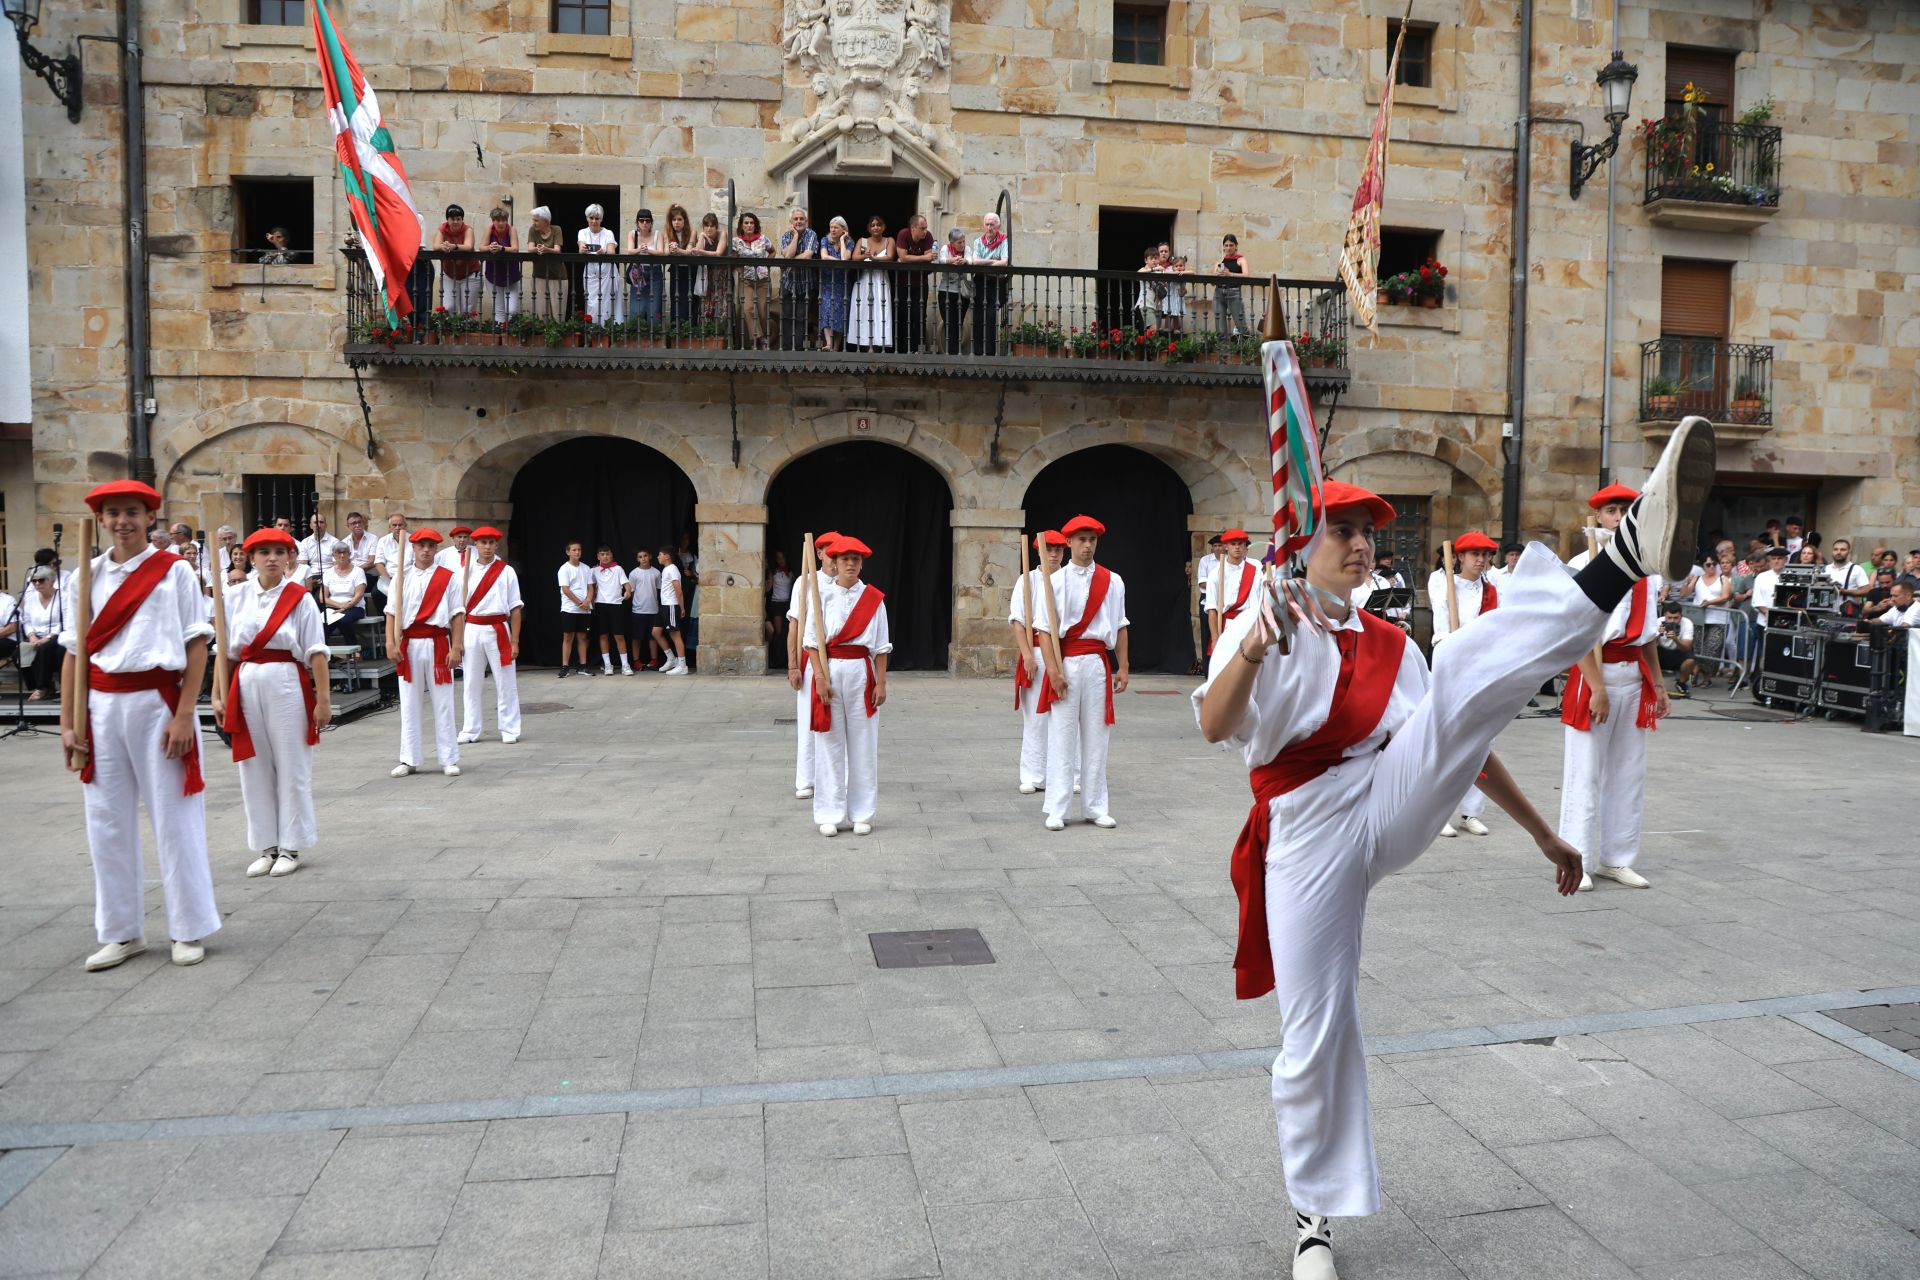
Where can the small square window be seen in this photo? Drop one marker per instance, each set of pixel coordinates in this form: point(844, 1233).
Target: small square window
point(1402, 249)
point(1140, 34)
point(1407, 536)
point(1416, 56)
point(277, 13)
point(267, 498)
point(264, 206)
point(582, 17)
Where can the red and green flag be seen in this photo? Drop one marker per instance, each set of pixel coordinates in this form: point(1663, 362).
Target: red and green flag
point(377, 195)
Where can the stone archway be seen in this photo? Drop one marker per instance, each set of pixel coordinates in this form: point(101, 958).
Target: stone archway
point(203, 466)
point(1219, 477)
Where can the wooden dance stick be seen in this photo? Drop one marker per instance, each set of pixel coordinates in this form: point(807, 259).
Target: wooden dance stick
point(222, 666)
point(821, 684)
point(1593, 551)
point(82, 622)
point(1026, 610)
point(1053, 611)
point(1453, 591)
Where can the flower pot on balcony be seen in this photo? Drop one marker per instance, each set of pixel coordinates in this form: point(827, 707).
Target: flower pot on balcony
point(1028, 351)
point(1431, 304)
point(1747, 408)
point(1661, 407)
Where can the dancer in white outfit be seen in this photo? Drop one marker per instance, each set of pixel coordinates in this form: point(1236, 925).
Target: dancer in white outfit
point(796, 662)
point(1091, 603)
point(494, 608)
point(1473, 593)
point(1614, 697)
point(846, 759)
point(1228, 589)
point(431, 616)
point(275, 703)
point(1357, 758)
point(146, 642)
point(1030, 672)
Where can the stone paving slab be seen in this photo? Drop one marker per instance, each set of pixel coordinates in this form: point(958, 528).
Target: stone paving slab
point(521, 1023)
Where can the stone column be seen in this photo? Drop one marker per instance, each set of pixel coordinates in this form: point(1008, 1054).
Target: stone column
point(986, 566)
point(732, 546)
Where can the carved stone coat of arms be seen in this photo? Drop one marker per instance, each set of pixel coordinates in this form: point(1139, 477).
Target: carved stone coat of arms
point(866, 61)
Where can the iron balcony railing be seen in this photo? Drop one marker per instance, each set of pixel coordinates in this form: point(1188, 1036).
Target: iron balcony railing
point(1717, 162)
point(723, 312)
point(1728, 382)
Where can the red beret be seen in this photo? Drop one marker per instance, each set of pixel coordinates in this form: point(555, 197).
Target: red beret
point(824, 544)
point(1054, 538)
point(459, 529)
point(1083, 524)
point(849, 546)
point(1235, 535)
point(138, 491)
point(424, 535)
point(269, 538)
point(1612, 493)
point(1475, 541)
point(487, 531)
point(1338, 493)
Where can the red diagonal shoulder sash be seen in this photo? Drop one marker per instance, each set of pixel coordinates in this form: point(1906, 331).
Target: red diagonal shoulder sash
point(421, 629)
point(259, 650)
point(842, 645)
point(1246, 589)
point(124, 603)
point(1489, 594)
point(488, 576)
point(431, 597)
point(1369, 666)
point(108, 623)
point(1576, 701)
point(1073, 643)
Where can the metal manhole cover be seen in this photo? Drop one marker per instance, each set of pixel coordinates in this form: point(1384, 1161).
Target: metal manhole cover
point(785, 719)
point(1751, 715)
point(1895, 1025)
point(929, 948)
point(543, 708)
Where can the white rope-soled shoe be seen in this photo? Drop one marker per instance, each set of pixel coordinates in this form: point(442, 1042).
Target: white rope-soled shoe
point(1660, 530)
point(1313, 1251)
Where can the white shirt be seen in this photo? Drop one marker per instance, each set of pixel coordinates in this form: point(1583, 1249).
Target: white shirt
point(1070, 586)
point(9, 611)
point(453, 557)
point(1378, 581)
point(1895, 616)
point(1017, 608)
point(1617, 621)
point(247, 610)
point(417, 580)
point(1235, 574)
point(604, 238)
point(646, 589)
point(577, 578)
point(836, 602)
point(1468, 591)
point(502, 597)
point(799, 600)
point(339, 587)
point(1765, 583)
point(1847, 577)
point(156, 635)
point(782, 587)
point(1684, 634)
point(387, 552)
point(1203, 569)
point(316, 553)
point(365, 551)
point(1292, 696)
point(1708, 590)
point(670, 587)
point(609, 583)
point(37, 616)
point(1794, 544)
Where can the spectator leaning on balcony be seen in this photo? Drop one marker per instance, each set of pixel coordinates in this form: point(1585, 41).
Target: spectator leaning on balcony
point(549, 273)
point(681, 276)
point(915, 243)
point(870, 303)
point(1173, 302)
point(749, 243)
point(502, 274)
point(990, 287)
point(953, 290)
point(1151, 294)
point(601, 280)
point(1230, 306)
point(646, 282)
point(709, 283)
point(836, 246)
point(276, 254)
point(459, 281)
point(798, 284)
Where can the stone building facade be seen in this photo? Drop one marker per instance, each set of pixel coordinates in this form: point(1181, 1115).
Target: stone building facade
point(1256, 123)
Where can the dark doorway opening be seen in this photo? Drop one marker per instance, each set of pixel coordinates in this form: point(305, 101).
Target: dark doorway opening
point(1144, 504)
point(593, 491)
point(894, 199)
point(568, 205)
point(1740, 506)
point(1125, 237)
point(899, 506)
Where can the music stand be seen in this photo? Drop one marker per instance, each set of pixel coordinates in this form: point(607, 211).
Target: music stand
point(1385, 598)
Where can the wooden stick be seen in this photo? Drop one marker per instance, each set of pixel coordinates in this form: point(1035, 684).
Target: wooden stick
point(1219, 597)
point(1026, 609)
point(822, 685)
point(222, 667)
point(1453, 592)
point(82, 621)
point(396, 621)
point(1053, 610)
point(1593, 550)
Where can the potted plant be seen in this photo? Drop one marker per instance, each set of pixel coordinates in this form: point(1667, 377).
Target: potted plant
point(1663, 397)
point(559, 331)
point(1182, 350)
point(524, 330)
point(1430, 283)
point(1398, 289)
point(1206, 347)
point(1029, 339)
point(1083, 344)
point(713, 335)
point(1747, 399)
point(442, 325)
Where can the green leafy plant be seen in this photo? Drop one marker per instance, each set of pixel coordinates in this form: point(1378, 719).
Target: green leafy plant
point(1085, 343)
point(1660, 387)
point(554, 330)
point(1760, 112)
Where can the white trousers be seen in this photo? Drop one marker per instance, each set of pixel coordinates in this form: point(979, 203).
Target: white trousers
point(1475, 804)
point(420, 655)
point(1033, 725)
point(502, 301)
point(604, 293)
point(803, 755)
point(130, 768)
point(1336, 837)
point(462, 295)
point(1603, 776)
point(846, 759)
point(483, 654)
point(277, 784)
point(1077, 733)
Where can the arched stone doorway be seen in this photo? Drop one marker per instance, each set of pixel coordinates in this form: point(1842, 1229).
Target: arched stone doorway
point(897, 504)
point(596, 490)
point(1144, 504)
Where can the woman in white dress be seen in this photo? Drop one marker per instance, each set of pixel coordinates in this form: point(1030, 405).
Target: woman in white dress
point(870, 307)
point(601, 279)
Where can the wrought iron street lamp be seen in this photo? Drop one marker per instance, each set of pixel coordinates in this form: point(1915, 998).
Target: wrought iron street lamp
point(61, 74)
point(1616, 92)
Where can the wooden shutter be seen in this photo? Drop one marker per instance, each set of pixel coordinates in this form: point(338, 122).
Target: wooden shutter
point(1708, 70)
point(1695, 298)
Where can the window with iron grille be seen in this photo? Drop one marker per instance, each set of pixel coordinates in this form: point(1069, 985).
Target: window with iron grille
point(1416, 56)
point(582, 17)
point(269, 498)
point(277, 13)
point(1140, 34)
point(1407, 537)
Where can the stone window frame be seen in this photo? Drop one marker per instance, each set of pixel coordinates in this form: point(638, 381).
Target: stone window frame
point(240, 33)
point(1448, 221)
point(1443, 93)
point(323, 271)
point(617, 44)
point(1176, 72)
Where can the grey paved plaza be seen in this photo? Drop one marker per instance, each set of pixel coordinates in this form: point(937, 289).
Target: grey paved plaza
point(606, 1006)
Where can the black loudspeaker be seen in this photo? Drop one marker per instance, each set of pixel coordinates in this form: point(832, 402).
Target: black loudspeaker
point(1790, 654)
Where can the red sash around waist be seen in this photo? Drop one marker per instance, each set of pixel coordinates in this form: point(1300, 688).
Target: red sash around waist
point(1073, 643)
point(1576, 703)
point(1074, 648)
point(820, 719)
point(167, 685)
point(403, 663)
point(1369, 665)
point(502, 636)
point(1021, 678)
point(257, 652)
